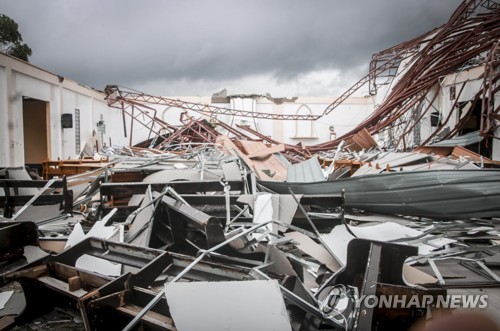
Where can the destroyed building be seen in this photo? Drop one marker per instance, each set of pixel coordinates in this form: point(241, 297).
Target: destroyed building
point(250, 212)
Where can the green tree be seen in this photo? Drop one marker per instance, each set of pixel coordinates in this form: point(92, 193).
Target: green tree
point(11, 41)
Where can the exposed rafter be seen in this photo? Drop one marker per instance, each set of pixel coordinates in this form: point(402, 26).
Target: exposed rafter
point(471, 33)
point(116, 96)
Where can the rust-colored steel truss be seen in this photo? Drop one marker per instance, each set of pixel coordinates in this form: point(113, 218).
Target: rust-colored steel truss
point(117, 96)
point(469, 38)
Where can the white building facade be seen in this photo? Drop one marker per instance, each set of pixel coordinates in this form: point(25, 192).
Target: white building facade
point(33, 105)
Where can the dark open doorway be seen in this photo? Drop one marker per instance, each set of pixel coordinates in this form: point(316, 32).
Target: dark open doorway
point(36, 124)
point(472, 123)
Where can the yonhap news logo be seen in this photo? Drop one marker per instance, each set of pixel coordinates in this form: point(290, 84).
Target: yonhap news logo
point(451, 301)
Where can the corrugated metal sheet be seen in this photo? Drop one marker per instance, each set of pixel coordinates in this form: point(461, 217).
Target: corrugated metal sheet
point(391, 159)
point(442, 194)
point(305, 172)
point(465, 140)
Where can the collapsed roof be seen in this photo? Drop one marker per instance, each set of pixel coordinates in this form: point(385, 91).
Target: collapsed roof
point(411, 71)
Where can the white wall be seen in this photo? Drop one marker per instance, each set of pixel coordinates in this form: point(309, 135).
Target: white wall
point(5, 121)
point(344, 118)
point(18, 79)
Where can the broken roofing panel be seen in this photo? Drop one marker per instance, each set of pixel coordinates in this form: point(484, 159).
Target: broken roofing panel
point(464, 140)
point(266, 207)
point(98, 230)
point(390, 160)
point(315, 250)
point(308, 282)
point(440, 194)
point(139, 231)
point(362, 140)
point(306, 171)
point(243, 305)
point(389, 231)
point(268, 169)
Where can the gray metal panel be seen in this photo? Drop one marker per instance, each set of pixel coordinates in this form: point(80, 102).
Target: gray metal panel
point(282, 159)
point(396, 159)
point(22, 174)
point(305, 172)
point(169, 175)
point(444, 194)
point(231, 171)
point(465, 140)
point(238, 305)
point(139, 231)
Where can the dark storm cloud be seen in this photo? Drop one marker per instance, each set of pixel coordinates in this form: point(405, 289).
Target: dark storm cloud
point(132, 42)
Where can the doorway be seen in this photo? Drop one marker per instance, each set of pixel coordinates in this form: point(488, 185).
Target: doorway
point(472, 124)
point(36, 121)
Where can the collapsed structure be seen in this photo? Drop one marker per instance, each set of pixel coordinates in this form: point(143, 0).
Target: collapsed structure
point(211, 225)
point(434, 87)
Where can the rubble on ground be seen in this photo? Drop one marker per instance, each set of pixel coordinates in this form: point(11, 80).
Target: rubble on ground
point(117, 244)
point(214, 226)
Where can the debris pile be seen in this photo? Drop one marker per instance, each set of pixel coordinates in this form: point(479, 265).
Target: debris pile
point(121, 248)
point(206, 225)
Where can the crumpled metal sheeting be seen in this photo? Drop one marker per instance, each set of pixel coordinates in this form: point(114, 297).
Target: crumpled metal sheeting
point(464, 140)
point(297, 269)
point(199, 240)
point(301, 263)
point(441, 194)
point(306, 171)
point(450, 245)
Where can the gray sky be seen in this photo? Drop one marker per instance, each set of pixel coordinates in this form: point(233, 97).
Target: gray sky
point(198, 47)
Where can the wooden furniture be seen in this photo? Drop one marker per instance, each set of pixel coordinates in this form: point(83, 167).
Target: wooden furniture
point(61, 168)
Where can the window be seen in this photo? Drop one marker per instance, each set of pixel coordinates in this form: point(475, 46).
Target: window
point(77, 131)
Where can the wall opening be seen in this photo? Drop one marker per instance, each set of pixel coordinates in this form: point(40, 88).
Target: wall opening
point(36, 123)
point(471, 123)
point(304, 129)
